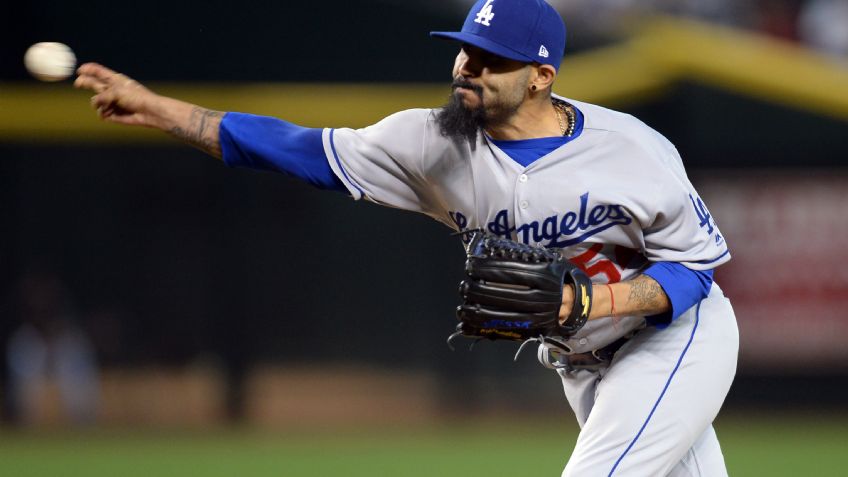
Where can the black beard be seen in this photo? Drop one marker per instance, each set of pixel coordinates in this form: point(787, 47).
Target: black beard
point(458, 122)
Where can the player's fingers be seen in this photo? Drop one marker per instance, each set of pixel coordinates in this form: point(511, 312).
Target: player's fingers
point(129, 119)
point(105, 112)
point(93, 69)
point(100, 72)
point(103, 101)
point(96, 70)
point(90, 83)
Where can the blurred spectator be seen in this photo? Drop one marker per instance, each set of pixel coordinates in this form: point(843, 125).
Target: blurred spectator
point(779, 18)
point(727, 12)
point(824, 25)
point(592, 22)
point(49, 351)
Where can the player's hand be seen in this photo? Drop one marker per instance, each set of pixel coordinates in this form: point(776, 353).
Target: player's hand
point(567, 303)
point(118, 98)
point(600, 303)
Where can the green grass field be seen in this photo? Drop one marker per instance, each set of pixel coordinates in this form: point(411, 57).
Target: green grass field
point(815, 446)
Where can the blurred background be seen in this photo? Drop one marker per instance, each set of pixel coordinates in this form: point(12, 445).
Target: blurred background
point(148, 294)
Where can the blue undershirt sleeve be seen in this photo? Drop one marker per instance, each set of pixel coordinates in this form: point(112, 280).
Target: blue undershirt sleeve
point(683, 286)
point(271, 144)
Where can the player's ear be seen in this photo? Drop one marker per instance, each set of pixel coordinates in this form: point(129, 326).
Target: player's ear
point(543, 77)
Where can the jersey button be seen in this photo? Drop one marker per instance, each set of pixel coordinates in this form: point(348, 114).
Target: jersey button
point(522, 178)
point(524, 204)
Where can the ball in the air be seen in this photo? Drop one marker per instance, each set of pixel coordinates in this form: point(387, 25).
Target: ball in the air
point(50, 61)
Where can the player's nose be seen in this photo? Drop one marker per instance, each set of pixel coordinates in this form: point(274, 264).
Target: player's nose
point(467, 67)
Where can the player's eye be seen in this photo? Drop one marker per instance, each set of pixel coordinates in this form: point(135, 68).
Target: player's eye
point(493, 60)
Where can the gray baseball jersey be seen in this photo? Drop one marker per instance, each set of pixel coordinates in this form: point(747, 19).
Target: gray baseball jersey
point(615, 199)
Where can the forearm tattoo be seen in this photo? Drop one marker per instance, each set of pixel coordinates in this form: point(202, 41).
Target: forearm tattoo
point(647, 296)
point(201, 131)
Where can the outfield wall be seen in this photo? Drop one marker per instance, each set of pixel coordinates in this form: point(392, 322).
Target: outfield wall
point(173, 260)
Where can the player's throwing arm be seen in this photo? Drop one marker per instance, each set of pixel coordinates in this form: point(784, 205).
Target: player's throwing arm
point(120, 99)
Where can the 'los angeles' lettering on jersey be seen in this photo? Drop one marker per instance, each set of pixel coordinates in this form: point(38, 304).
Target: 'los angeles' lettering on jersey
point(587, 198)
point(558, 230)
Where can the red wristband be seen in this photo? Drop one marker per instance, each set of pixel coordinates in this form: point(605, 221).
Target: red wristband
point(612, 300)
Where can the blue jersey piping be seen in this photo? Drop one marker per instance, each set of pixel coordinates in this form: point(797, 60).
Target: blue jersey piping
point(662, 394)
point(339, 163)
point(706, 262)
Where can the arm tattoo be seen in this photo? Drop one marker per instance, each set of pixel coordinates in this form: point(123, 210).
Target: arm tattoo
point(647, 296)
point(201, 131)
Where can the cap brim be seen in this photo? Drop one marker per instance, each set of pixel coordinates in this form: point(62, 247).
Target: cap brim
point(483, 43)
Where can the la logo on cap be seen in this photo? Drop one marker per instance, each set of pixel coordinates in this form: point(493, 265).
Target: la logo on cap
point(485, 15)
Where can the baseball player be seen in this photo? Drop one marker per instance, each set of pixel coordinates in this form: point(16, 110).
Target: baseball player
point(652, 342)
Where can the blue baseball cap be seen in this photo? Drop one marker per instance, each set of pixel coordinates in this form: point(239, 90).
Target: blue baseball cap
point(521, 30)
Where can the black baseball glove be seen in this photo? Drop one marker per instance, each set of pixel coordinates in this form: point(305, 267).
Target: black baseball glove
point(513, 291)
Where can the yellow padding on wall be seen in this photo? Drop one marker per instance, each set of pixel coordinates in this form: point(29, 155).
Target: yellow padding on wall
point(60, 113)
point(748, 64)
point(664, 50)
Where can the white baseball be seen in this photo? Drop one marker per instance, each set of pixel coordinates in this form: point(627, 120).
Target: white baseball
point(50, 61)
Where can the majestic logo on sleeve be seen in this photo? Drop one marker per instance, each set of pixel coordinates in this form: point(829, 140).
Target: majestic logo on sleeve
point(559, 230)
point(485, 15)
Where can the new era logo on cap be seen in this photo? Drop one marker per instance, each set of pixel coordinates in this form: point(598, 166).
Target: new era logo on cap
point(543, 52)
